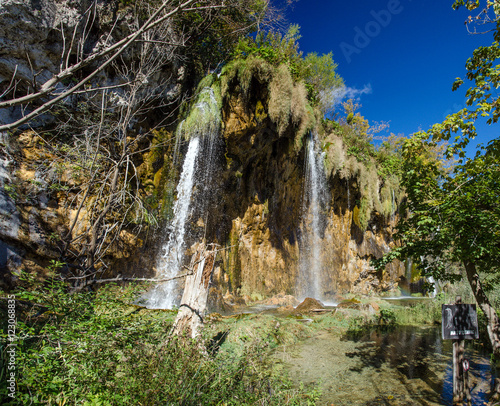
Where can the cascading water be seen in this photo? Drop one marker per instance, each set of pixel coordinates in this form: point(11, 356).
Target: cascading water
point(162, 296)
point(194, 192)
point(314, 209)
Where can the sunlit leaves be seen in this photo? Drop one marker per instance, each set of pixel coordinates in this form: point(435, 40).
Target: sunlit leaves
point(452, 218)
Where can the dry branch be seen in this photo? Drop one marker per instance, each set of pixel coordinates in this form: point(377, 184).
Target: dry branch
point(116, 50)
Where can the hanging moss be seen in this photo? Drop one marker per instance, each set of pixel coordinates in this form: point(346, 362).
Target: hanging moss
point(388, 195)
point(205, 115)
point(308, 123)
point(207, 81)
point(245, 70)
point(254, 67)
point(228, 73)
point(280, 98)
point(299, 103)
point(165, 178)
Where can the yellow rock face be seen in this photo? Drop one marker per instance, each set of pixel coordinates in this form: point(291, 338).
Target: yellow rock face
point(265, 205)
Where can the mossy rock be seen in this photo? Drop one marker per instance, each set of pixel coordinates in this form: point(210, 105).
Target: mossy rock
point(350, 304)
point(309, 304)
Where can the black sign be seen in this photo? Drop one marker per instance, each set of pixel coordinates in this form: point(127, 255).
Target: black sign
point(460, 322)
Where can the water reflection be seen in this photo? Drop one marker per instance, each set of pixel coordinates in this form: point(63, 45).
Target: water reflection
point(404, 367)
point(423, 362)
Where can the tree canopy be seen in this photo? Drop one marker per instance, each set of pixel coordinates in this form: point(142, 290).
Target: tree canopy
point(454, 216)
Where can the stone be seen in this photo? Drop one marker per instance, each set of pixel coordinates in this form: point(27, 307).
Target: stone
point(285, 309)
point(309, 304)
point(350, 304)
point(234, 300)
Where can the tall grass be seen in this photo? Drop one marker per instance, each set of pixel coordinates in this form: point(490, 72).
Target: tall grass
point(95, 348)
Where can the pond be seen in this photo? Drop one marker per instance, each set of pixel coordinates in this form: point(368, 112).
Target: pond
point(406, 366)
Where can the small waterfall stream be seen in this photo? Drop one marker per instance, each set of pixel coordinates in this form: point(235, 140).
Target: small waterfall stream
point(162, 296)
point(314, 209)
point(195, 192)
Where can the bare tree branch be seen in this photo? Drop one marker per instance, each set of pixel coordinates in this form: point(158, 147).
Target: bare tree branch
point(117, 48)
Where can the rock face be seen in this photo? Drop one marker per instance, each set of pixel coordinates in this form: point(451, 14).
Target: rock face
point(41, 189)
point(31, 47)
point(257, 217)
point(263, 195)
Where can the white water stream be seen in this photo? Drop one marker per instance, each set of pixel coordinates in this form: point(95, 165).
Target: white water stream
point(195, 191)
point(162, 296)
point(314, 208)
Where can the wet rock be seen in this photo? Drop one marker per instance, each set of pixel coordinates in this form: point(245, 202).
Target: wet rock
point(217, 303)
point(350, 304)
point(234, 300)
point(285, 309)
point(309, 304)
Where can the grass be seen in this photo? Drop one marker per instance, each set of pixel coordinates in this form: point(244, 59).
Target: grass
point(97, 349)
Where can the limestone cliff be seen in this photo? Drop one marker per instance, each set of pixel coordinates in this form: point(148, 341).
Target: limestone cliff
point(263, 210)
point(55, 172)
point(83, 190)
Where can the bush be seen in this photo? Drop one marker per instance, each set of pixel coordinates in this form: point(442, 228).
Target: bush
point(95, 348)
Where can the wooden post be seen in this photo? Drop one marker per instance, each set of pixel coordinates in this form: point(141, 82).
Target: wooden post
point(458, 370)
point(467, 386)
point(189, 319)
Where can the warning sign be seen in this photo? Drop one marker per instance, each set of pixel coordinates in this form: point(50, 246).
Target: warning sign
point(459, 322)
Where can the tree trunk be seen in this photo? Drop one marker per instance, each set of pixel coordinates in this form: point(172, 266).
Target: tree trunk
point(490, 313)
point(194, 299)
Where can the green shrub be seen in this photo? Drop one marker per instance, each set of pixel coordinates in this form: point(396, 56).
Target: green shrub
point(387, 317)
point(274, 48)
point(95, 348)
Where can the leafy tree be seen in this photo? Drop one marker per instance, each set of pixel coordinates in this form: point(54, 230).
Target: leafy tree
point(484, 72)
point(322, 80)
point(455, 216)
point(274, 47)
point(355, 120)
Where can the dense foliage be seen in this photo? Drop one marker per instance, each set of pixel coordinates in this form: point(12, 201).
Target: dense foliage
point(214, 34)
point(455, 217)
point(96, 348)
point(317, 72)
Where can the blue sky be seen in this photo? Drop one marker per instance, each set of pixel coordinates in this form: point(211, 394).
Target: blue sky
point(406, 54)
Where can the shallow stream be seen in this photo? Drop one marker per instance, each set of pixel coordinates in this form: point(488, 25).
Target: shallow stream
point(407, 366)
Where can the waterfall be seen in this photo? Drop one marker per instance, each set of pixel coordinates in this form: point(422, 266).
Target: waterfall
point(195, 191)
point(162, 296)
point(314, 208)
